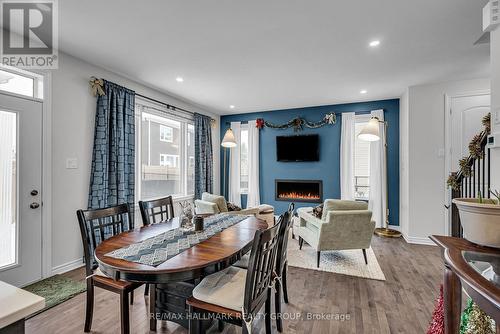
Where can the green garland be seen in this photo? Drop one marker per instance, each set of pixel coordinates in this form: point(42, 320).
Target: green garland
point(487, 123)
point(475, 152)
point(475, 147)
point(452, 182)
point(298, 123)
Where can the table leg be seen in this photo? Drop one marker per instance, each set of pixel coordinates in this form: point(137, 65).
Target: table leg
point(452, 292)
point(152, 307)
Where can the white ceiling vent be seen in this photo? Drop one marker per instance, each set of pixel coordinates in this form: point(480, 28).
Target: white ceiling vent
point(491, 15)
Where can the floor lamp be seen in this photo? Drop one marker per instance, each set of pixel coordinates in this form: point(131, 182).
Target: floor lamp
point(229, 141)
point(371, 132)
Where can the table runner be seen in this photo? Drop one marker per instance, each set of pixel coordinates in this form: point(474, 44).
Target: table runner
point(158, 249)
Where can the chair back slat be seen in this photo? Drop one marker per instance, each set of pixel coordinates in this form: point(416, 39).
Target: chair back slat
point(260, 269)
point(157, 210)
point(97, 225)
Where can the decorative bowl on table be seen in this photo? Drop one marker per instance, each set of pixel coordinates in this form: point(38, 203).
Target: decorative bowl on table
point(480, 221)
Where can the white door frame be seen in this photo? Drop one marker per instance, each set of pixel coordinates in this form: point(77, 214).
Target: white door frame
point(447, 144)
point(47, 175)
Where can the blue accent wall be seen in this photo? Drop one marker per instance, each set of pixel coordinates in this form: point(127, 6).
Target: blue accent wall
point(328, 167)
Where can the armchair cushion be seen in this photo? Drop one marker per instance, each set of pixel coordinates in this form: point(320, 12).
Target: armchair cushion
point(217, 199)
point(341, 205)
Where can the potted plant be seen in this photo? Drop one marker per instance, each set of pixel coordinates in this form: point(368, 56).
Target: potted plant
point(480, 219)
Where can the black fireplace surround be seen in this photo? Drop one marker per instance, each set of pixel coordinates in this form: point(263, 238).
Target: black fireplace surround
point(299, 190)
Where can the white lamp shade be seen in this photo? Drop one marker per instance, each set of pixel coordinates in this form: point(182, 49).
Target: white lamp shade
point(371, 131)
point(229, 140)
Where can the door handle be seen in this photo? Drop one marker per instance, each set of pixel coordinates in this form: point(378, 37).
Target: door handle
point(34, 192)
point(34, 205)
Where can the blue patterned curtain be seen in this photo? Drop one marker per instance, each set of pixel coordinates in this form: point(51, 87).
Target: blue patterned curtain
point(112, 179)
point(203, 155)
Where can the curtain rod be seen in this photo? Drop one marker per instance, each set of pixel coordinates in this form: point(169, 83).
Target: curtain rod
point(169, 106)
point(97, 84)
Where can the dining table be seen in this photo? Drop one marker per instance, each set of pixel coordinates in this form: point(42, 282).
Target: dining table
point(172, 281)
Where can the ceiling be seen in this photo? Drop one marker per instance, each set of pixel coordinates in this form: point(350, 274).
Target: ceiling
point(265, 55)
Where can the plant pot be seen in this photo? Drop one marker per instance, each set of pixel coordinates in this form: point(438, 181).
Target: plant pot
point(480, 221)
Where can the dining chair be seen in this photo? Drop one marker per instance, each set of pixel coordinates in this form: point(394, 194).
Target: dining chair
point(280, 272)
point(96, 226)
point(156, 211)
point(236, 295)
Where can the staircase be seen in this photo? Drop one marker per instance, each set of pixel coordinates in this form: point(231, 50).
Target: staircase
point(473, 178)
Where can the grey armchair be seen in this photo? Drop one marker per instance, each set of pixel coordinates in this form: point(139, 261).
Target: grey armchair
point(343, 225)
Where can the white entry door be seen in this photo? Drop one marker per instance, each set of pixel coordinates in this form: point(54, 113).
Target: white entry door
point(20, 190)
point(467, 113)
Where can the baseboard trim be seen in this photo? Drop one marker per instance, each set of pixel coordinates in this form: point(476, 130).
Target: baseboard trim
point(68, 266)
point(395, 227)
point(418, 240)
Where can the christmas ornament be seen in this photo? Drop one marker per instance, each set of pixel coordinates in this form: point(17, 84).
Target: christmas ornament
point(437, 323)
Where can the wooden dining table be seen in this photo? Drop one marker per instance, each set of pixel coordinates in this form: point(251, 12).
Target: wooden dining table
point(172, 281)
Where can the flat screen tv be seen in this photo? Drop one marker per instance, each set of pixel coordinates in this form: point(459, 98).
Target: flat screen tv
point(297, 148)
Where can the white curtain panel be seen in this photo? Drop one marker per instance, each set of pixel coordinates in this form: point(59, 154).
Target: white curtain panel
point(253, 198)
point(234, 166)
point(347, 145)
point(378, 175)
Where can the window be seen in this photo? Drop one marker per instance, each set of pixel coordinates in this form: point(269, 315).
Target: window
point(244, 159)
point(166, 133)
point(361, 161)
point(165, 152)
point(190, 154)
point(169, 160)
point(21, 82)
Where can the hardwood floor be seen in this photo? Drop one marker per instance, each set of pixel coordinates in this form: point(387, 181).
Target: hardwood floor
point(401, 304)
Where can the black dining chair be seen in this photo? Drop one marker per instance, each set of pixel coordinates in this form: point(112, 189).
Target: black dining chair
point(236, 295)
point(95, 227)
point(280, 274)
point(156, 211)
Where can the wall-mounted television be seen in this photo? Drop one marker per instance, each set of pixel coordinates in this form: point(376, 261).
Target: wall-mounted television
point(297, 148)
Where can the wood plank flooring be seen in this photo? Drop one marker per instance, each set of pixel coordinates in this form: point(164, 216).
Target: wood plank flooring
point(401, 304)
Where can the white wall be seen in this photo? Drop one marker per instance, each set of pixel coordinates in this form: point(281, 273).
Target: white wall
point(495, 103)
point(73, 111)
point(404, 162)
point(426, 175)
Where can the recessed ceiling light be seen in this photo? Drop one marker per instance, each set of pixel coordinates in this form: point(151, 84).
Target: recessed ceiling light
point(231, 107)
point(374, 43)
point(179, 79)
point(363, 91)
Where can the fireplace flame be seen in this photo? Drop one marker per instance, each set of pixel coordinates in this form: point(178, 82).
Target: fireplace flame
point(297, 195)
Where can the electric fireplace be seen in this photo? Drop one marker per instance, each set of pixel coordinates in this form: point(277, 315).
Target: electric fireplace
point(299, 190)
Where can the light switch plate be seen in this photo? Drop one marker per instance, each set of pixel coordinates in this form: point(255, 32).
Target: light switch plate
point(71, 163)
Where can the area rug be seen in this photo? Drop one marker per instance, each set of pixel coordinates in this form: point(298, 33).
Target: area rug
point(346, 262)
point(56, 289)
